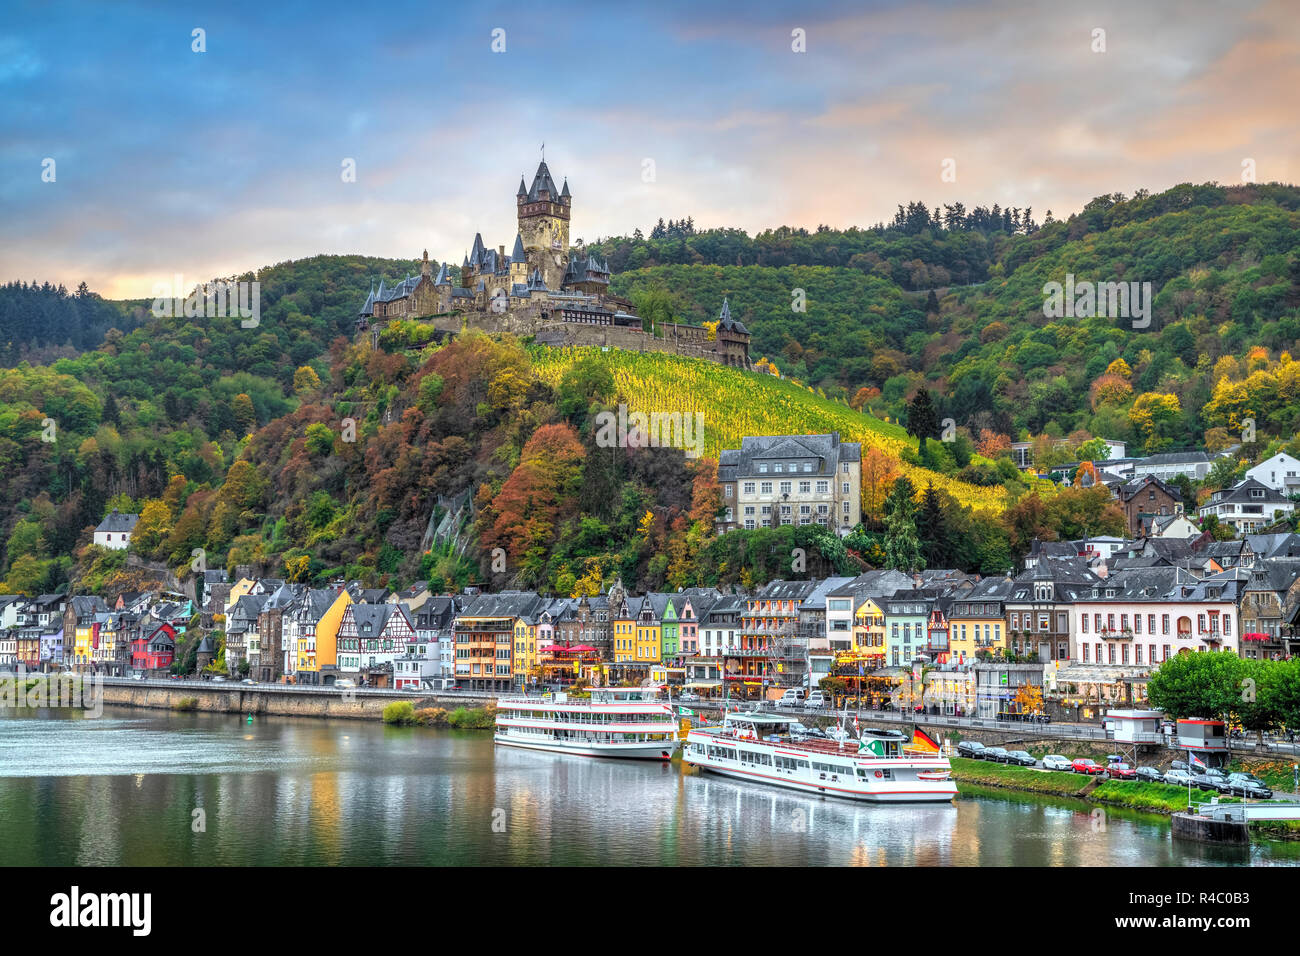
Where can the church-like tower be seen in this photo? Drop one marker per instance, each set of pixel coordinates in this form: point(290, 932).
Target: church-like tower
point(544, 225)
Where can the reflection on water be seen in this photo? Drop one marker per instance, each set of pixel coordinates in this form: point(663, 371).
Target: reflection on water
point(131, 787)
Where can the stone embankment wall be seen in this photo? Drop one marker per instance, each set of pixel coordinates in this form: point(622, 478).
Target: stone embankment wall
point(221, 699)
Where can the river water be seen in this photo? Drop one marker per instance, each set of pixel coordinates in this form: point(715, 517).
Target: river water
point(137, 787)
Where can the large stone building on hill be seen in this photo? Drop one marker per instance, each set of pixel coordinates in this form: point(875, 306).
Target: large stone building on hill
point(544, 289)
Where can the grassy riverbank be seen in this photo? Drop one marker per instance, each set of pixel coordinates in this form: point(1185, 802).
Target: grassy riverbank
point(402, 713)
point(1136, 795)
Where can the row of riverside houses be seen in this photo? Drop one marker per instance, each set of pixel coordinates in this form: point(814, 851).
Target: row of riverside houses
point(55, 632)
point(1085, 620)
point(1091, 616)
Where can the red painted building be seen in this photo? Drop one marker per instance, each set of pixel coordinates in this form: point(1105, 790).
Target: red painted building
point(155, 650)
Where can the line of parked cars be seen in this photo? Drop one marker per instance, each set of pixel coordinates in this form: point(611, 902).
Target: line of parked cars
point(977, 751)
point(1210, 779)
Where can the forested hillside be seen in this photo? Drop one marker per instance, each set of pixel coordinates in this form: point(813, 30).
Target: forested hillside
point(1223, 263)
point(236, 441)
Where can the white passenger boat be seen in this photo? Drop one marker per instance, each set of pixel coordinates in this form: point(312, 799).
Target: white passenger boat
point(877, 766)
point(614, 722)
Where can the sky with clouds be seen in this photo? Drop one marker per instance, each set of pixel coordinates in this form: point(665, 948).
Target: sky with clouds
point(206, 164)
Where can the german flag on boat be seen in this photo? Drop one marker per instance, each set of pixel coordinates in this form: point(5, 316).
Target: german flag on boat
point(923, 743)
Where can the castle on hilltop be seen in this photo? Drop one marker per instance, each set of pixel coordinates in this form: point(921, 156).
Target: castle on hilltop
point(544, 290)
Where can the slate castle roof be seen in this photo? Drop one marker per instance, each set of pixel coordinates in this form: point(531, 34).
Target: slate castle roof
point(726, 323)
point(542, 182)
point(824, 451)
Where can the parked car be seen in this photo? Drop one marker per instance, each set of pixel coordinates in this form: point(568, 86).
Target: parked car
point(798, 731)
point(1210, 779)
point(137, 677)
point(1179, 777)
point(1122, 771)
point(1180, 765)
point(344, 683)
point(970, 748)
point(1090, 767)
point(815, 701)
point(1022, 757)
point(998, 754)
point(815, 733)
point(792, 697)
point(219, 679)
point(1248, 785)
point(1150, 775)
point(1057, 762)
point(689, 697)
point(248, 680)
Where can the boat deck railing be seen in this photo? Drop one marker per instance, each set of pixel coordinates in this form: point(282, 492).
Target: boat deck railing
point(824, 747)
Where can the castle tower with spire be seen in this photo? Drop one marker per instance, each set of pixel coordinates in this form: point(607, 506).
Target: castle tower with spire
point(544, 213)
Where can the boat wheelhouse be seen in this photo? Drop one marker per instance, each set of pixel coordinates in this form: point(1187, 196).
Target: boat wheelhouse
point(613, 722)
point(878, 766)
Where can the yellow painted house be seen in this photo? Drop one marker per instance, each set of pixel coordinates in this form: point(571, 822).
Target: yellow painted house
point(323, 650)
point(525, 657)
point(82, 642)
point(649, 634)
point(624, 625)
point(869, 630)
point(242, 588)
point(976, 620)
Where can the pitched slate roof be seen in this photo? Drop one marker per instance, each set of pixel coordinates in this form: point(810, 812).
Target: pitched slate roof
point(542, 181)
point(1283, 544)
point(1126, 491)
point(827, 450)
point(503, 604)
point(1242, 493)
point(727, 324)
point(116, 521)
point(786, 590)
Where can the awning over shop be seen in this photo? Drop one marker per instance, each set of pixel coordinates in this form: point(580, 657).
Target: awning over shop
point(702, 684)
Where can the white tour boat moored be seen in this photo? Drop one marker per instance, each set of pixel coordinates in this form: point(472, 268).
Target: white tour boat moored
point(614, 722)
point(878, 766)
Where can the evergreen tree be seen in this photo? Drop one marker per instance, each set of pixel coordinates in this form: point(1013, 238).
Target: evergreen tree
point(902, 548)
point(933, 531)
point(932, 304)
point(922, 419)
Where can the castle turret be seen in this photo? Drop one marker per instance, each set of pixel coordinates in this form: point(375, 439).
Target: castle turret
point(518, 262)
point(426, 269)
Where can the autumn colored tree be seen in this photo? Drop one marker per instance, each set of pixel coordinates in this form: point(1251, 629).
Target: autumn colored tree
point(540, 494)
point(878, 473)
point(706, 493)
point(305, 380)
point(1029, 699)
point(154, 525)
point(1109, 389)
point(991, 443)
point(1153, 415)
point(245, 415)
